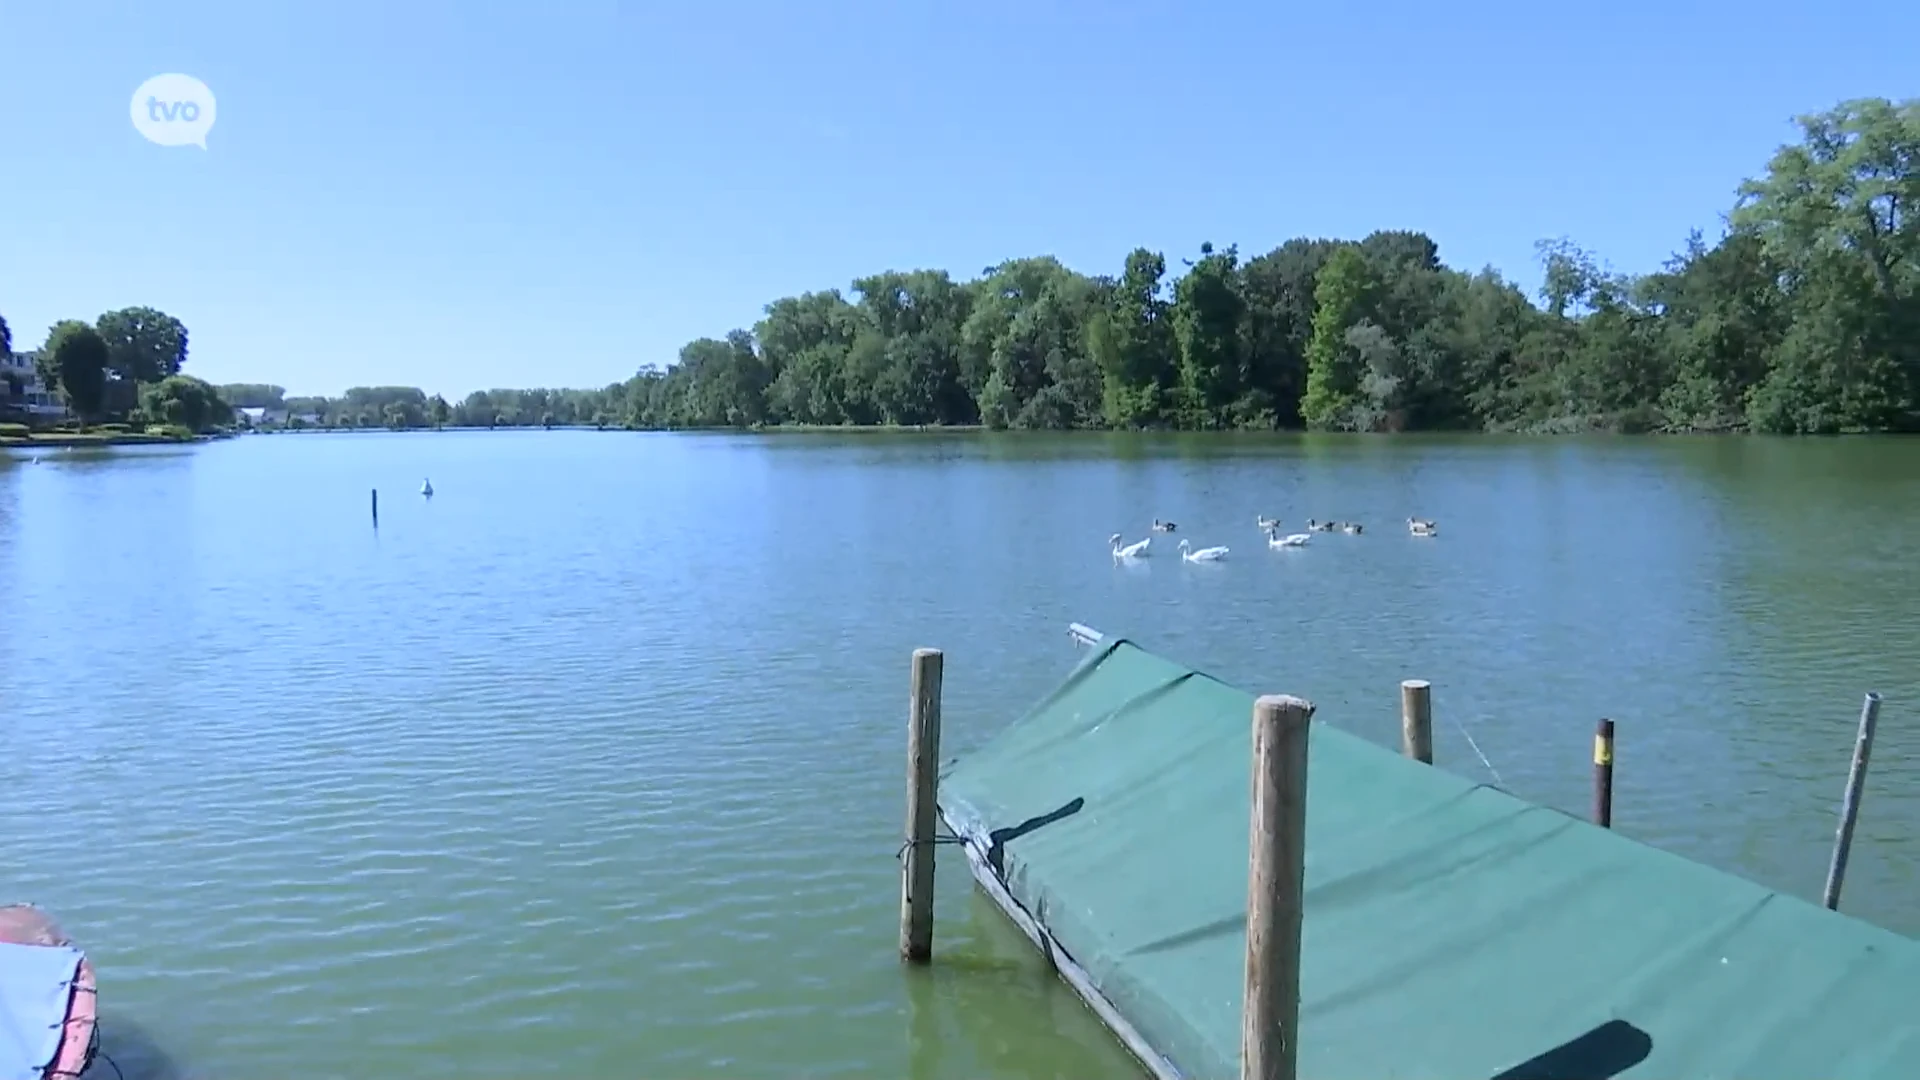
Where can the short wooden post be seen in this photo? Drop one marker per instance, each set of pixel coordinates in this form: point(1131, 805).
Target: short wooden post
point(1276, 888)
point(1416, 719)
point(1850, 804)
point(1603, 775)
point(923, 772)
point(376, 507)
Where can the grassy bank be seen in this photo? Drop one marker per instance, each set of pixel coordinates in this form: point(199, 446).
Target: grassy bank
point(18, 435)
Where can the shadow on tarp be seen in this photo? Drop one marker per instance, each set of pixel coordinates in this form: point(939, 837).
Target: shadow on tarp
point(134, 1049)
point(1601, 1054)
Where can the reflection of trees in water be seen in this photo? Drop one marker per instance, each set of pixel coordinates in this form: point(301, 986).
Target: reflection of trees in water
point(990, 1005)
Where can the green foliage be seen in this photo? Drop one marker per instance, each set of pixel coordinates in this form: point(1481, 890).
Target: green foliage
point(15, 431)
point(253, 395)
point(75, 360)
point(1803, 317)
point(187, 402)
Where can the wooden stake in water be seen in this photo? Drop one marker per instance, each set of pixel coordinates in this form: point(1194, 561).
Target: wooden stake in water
point(1850, 805)
point(1276, 890)
point(923, 773)
point(1416, 720)
point(376, 508)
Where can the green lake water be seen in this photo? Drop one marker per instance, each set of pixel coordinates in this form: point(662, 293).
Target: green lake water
point(592, 765)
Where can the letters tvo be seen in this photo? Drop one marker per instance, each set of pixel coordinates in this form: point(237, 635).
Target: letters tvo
point(166, 112)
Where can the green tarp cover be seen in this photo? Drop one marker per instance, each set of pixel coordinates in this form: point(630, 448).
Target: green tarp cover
point(1453, 931)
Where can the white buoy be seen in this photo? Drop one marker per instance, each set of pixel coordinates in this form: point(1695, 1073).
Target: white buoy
point(426, 488)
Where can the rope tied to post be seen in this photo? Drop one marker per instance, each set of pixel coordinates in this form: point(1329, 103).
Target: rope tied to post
point(932, 841)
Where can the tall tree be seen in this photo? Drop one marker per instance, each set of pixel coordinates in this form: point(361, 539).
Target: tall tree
point(143, 344)
point(1342, 295)
point(1206, 312)
point(75, 360)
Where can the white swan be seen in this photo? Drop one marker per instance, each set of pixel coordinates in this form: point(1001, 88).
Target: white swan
point(1266, 522)
point(1212, 554)
point(1423, 527)
point(1275, 540)
point(1130, 551)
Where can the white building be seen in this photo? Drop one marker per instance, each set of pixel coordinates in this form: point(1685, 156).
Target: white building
point(23, 389)
point(255, 416)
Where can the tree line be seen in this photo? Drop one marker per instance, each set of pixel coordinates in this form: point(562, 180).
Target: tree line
point(1802, 317)
point(404, 407)
point(123, 366)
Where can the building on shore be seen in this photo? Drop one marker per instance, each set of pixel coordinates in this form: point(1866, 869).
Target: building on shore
point(22, 389)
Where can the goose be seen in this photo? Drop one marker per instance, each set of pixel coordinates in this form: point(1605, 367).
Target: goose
point(1163, 526)
point(1130, 551)
point(426, 488)
point(1275, 540)
point(1352, 528)
point(1212, 554)
point(1423, 527)
point(1266, 522)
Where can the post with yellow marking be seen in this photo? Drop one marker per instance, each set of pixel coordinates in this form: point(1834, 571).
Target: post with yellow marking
point(1603, 775)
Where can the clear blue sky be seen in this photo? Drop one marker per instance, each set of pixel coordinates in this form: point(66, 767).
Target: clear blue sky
point(458, 194)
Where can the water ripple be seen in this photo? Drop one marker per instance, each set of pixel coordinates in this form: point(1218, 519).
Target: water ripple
point(592, 764)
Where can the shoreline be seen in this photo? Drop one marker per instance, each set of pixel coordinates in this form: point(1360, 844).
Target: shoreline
point(122, 438)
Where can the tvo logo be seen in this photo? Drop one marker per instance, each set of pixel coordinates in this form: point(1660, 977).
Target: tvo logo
point(173, 110)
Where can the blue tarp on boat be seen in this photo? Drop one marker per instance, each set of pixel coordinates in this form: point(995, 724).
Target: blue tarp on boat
point(36, 986)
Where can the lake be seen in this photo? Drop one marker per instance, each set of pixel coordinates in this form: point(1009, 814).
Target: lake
point(592, 765)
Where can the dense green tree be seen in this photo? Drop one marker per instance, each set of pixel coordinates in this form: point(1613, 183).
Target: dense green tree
point(143, 344)
point(143, 347)
point(75, 360)
point(254, 395)
point(187, 402)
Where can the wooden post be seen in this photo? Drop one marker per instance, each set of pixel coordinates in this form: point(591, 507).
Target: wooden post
point(1416, 719)
point(376, 508)
point(1850, 805)
point(923, 772)
point(1276, 887)
point(1603, 775)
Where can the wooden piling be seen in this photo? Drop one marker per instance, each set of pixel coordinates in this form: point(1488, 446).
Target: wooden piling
point(1850, 804)
point(1276, 886)
point(923, 771)
point(376, 508)
point(1603, 775)
point(1416, 720)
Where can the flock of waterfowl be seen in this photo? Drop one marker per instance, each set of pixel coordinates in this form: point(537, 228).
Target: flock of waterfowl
point(1269, 526)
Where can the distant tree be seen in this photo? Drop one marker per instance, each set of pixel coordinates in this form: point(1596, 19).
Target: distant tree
point(254, 395)
point(6, 338)
point(75, 360)
point(143, 344)
point(439, 411)
point(189, 402)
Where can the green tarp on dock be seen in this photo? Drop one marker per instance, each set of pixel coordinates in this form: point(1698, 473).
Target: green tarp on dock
point(1453, 932)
